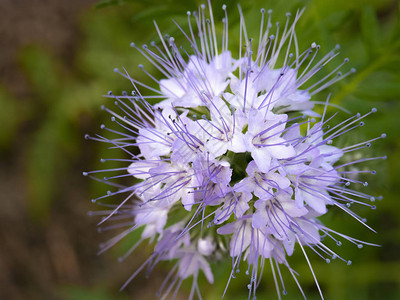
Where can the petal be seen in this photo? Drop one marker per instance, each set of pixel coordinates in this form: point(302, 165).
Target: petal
point(280, 151)
point(140, 169)
point(256, 122)
point(310, 230)
point(279, 180)
point(293, 210)
point(315, 202)
point(205, 267)
point(172, 88)
point(262, 158)
point(228, 228)
point(237, 143)
point(188, 199)
point(259, 219)
point(240, 240)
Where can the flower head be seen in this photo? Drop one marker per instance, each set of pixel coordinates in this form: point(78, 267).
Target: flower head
point(232, 148)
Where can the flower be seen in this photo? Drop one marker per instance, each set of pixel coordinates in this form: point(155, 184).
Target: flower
point(231, 161)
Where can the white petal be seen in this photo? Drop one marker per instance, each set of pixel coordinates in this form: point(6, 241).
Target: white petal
point(262, 158)
point(140, 169)
point(172, 88)
point(188, 199)
point(240, 240)
point(315, 202)
point(281, 151)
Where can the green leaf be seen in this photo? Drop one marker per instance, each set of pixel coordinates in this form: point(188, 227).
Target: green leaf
point(10, 117)
point(42, 71)
point(370, 31)
point(44, 158)
point(84, 293)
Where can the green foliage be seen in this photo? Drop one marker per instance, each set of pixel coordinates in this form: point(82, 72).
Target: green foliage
point(10, 116)
point(83, 293)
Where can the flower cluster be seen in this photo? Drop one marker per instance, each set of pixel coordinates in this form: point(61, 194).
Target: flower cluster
point(234, 159)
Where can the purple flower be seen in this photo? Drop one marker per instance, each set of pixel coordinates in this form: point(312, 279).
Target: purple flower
point(233, 149)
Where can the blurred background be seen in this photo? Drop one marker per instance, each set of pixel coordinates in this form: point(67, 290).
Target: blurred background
point(57, 60)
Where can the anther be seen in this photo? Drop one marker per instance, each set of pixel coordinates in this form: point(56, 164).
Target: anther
point(85, 173)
